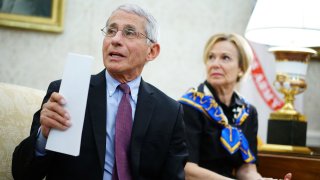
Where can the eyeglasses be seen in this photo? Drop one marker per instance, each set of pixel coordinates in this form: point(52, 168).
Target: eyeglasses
point(126, 32)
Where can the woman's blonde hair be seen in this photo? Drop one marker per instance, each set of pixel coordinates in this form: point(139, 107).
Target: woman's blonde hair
point(242, 45)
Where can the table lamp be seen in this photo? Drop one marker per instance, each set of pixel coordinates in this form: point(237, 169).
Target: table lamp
point(290, 27)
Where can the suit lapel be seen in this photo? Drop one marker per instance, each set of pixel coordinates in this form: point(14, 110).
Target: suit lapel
point(97, 112)
point(143, 115)
point(97, 97)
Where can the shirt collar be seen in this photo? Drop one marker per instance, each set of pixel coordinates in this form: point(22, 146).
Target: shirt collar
point(235, 99)
point(112, 85)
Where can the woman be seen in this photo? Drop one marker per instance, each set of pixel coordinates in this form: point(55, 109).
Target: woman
point(221, 125)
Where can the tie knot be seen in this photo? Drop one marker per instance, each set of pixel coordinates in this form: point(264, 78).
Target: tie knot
point(124, 88)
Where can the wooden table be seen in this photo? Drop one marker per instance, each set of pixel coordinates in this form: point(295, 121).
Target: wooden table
point(302, 166)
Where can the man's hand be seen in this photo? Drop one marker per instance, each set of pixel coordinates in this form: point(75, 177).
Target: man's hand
point(53, 115)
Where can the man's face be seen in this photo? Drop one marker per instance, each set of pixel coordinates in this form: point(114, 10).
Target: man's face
point(125, 58)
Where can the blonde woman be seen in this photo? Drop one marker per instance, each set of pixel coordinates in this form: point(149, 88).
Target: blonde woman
point(221, 125)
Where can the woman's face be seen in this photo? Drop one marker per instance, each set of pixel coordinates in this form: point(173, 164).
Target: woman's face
point(223, 65)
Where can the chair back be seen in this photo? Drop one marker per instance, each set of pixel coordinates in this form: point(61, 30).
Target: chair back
point(17, 106)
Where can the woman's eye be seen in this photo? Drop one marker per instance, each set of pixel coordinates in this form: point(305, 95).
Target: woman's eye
point(226, 58)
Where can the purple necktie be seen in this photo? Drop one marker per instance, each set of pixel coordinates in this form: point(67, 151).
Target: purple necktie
point(122, 136)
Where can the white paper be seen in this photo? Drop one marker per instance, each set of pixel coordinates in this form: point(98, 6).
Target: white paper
point(74, 88)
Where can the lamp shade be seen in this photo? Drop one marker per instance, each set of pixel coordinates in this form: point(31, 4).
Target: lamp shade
point(285, 23)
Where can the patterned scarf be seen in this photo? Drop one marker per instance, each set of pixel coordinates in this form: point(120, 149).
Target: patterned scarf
point(232, 138)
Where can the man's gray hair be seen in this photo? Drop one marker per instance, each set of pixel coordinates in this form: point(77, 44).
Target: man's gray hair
point(151, 27)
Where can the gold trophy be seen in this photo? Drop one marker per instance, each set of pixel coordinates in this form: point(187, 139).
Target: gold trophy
point(291, 69)
point(287, 128)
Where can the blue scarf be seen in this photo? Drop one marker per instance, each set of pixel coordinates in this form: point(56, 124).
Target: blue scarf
point(232, 138)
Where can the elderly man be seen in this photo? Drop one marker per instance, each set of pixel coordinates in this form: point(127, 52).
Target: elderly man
point(142, 139)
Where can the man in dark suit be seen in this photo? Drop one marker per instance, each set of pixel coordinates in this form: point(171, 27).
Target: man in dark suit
point(157, 148)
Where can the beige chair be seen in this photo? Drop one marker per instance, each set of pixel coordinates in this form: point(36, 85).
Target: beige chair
point(17, 106)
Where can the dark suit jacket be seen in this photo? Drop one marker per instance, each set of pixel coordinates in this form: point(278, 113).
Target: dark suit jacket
point(157, 149)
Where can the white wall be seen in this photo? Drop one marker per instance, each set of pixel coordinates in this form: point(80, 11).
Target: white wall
point(34, 59)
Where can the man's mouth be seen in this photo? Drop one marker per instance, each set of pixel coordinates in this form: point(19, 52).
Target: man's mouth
point(116, 55)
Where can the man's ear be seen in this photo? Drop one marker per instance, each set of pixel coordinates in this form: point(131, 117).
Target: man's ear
point(154, 51)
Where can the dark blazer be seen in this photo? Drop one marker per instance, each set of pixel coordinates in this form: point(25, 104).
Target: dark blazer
point(157, 149)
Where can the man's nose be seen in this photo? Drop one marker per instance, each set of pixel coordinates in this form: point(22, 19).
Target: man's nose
point(117, 37)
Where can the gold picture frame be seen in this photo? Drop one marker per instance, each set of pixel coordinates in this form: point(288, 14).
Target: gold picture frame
point(52, 23)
